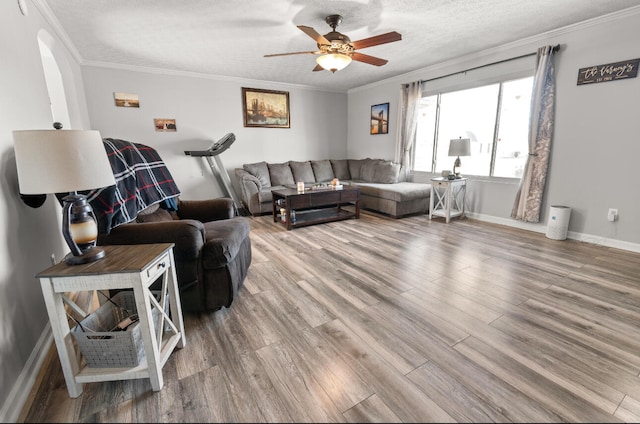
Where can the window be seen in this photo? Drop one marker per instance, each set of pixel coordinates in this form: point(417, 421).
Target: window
point(494, 117)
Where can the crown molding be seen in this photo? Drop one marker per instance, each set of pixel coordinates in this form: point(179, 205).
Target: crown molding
point(51, 19)
point(190, 74)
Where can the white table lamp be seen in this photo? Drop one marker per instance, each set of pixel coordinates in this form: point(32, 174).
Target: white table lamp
point(59, 161)
point(459, 147)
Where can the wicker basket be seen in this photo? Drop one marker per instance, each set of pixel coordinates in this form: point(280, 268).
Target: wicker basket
point(104, 348)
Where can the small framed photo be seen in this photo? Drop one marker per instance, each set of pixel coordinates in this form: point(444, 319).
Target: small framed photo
point(380, 118)
point(126, 100)
point(165, 124)
point(265, 108)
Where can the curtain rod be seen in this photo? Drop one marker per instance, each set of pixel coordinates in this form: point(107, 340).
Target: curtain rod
point(555, 49)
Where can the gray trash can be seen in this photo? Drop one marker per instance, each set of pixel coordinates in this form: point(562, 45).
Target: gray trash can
point(558, 222)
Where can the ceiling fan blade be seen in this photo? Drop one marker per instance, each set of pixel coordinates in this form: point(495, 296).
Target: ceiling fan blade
point(376, 40)
point(314, 34)
point(318, 68)
point(371, 60)
point(287, 54)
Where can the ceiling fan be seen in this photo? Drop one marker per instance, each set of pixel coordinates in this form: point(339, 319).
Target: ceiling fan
point(336, 50)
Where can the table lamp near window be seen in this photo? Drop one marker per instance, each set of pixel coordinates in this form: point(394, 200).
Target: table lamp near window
point(459, 147)
point(60, 161)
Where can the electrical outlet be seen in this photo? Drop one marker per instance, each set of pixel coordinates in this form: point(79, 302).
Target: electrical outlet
point(612, 215)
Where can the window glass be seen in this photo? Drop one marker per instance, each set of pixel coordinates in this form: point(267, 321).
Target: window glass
point(493, 117)
point(425, 133)
point(513, 132)
point(468, 114)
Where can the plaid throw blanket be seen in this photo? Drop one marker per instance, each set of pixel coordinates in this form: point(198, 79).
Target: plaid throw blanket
point(142, 179)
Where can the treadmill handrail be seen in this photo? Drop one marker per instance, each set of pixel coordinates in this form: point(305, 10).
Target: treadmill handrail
point(216, 148)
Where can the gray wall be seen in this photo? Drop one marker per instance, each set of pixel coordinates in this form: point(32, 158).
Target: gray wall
point(595, 146)
point(29, 236)
point(596, 137)
point(205, 110)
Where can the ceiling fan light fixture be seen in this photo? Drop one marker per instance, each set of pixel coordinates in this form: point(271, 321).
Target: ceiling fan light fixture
point(333, 61)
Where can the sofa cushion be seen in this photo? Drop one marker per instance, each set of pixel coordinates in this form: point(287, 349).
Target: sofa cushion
point(259, 170)
point(386, 172)
point(223, 241)
point(368, 169)
point(354, 168)
point(341, 169)
point(302, 171)
point(280, 174)
point(322, 170)
point(399, 192)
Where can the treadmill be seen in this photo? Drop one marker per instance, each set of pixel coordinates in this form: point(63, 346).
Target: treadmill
point(212, 155)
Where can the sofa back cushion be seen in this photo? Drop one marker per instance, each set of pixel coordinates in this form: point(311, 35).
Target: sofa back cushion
point(341, 169)
point(280, 174)
point(322, 170)
point(302, 171)
point(354, 168)
point(260, 170)
point(386, 172)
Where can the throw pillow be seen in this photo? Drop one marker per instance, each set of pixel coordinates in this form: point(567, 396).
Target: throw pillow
point(386, 172)
point(159, 215)
point(302, 171)
point(260, 171)
point(149, 209)
point(368, 169)
point(322, 170)
point(280, 174)
point(341, 169)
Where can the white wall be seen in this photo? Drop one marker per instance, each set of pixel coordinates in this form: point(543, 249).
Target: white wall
point(595, 145)
point(205, 109)
point(29, 236)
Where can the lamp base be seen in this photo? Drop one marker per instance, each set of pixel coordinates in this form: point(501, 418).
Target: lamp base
point(91, 255)
point(456, 167)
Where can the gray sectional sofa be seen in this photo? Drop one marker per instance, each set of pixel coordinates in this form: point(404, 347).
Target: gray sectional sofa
point(382, 187)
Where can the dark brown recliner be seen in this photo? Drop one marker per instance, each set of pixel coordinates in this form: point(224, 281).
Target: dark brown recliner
point(212, 248)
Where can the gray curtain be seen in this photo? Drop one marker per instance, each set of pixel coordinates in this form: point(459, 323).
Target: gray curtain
point(532, 185)
point(410, 95)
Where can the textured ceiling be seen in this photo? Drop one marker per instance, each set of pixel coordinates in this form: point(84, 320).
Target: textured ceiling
point(230, 38)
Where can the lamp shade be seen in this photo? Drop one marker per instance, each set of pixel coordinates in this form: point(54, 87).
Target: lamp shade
point(59, 161)
point(460, 147)
point(334, 61)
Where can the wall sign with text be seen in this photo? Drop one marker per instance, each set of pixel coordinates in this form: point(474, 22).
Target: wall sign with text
point(609, 72)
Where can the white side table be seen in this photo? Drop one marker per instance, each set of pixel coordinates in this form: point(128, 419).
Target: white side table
point(134, 267)
point(447, 198)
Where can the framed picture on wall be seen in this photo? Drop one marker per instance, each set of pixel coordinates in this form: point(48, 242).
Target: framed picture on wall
point(380, 119)
point(165, 125)
point(265, 108)
point(126, 100)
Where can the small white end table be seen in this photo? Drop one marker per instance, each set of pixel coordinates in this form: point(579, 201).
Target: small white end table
point(447, 198)
point(134, 267)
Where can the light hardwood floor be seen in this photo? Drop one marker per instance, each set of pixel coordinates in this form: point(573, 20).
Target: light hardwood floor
point(396, 320)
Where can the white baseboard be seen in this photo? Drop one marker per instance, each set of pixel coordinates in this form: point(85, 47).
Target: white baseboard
point(16, 400)
point(542, 228)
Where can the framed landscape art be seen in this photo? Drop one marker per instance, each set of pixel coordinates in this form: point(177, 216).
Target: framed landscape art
point(380, 118)
point(265, 108)
point(126, 100)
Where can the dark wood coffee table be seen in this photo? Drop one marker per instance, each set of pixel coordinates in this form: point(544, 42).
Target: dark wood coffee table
point(315, 206)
